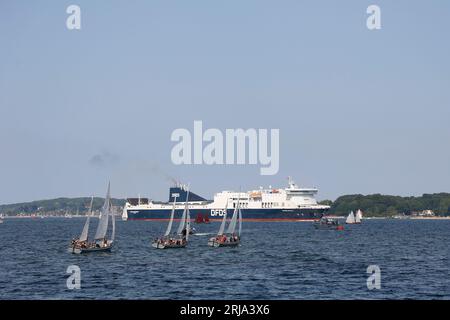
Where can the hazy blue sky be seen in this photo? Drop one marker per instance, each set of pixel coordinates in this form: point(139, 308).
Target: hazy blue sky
point(359, 111)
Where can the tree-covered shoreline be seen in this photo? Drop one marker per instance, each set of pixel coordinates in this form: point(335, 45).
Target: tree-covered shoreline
point(378, 205)
point(58, 206)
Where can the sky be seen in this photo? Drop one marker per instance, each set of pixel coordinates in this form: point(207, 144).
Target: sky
point(359, 111)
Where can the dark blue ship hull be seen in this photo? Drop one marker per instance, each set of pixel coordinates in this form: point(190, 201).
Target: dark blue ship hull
point(247, 214)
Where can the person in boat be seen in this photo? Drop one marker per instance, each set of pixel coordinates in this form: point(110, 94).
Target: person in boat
point(191, 231)
point(79, 244)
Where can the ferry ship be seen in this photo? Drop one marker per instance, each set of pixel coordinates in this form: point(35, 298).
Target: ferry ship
point(288, 204)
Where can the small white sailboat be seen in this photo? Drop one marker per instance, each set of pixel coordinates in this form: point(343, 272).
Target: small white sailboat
point(67, 215)
point(358, 216)
point(101, 242)
point(230, 238)
point(350, 218)
point(180, 239)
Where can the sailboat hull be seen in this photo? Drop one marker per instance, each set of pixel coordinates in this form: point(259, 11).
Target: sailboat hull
point(226, 244)
point(88, 250)
point(214, 243)
point(167, 246)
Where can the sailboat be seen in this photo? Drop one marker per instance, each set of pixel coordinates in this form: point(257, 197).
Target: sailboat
point(101, 242)
point(229, 239)
point(358, 217)
point(350, 218)
point(180, 239)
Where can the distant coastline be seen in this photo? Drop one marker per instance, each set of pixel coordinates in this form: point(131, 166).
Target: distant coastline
point(394, 218)
point(373, 206)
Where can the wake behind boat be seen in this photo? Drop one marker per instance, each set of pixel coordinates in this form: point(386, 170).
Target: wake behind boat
point(228, 239)
point(179, 240)
point(101, 242)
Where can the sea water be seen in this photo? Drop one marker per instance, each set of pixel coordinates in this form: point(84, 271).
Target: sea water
point(274, 261)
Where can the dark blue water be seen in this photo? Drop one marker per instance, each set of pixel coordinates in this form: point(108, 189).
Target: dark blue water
point(275, 261)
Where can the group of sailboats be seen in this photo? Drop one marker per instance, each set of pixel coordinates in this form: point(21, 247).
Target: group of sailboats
point(354, 219)
point(181, 237)
point(101, 242)
point(229, 238)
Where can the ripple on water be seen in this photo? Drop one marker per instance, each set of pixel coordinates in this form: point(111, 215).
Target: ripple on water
point(275, 261)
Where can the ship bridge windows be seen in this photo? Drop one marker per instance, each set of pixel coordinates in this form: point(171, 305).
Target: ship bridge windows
point(302, 192)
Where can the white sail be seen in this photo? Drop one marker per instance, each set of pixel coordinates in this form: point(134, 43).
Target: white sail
point(350, 218)
point(358, 216)
point(222, 225)
point(182, 223)
point(188, 224)
point(103, 223)
point(169, 227)
point(84, 233)
point(183, 217)
point(125, 213)
point(240, 222)
point(232, 226)
point(113, 234)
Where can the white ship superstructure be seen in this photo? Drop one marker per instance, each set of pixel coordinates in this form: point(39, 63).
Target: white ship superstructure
point(291, 203)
